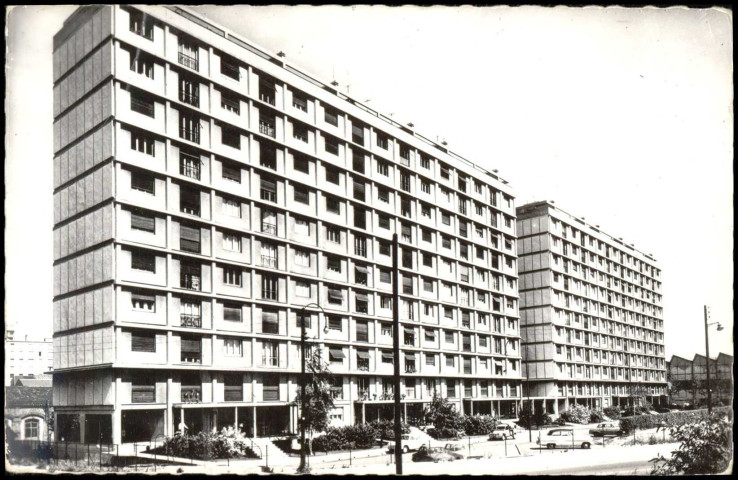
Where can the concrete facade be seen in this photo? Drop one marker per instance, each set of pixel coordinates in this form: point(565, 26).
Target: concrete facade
point(591, 315)
point(205, 191)
point(27, 357)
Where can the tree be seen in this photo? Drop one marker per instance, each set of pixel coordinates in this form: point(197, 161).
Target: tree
point(319, 400)
point(443, 416)
point(705, 448)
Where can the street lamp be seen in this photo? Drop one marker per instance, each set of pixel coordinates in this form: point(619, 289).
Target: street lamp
point(303, 381)
point(707, 356)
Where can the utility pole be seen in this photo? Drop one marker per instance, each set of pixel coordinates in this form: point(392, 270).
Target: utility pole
point(707, 361)
point(396, 348)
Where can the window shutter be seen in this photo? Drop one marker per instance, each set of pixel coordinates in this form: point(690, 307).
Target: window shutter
point(232, 173)
point(335, 294)
point(191, 345)
point(299, 101)
point(360, 297)
point(143, 222)
point(143, 298)
point(189, 238)
point(232, 313)
point(143, 342)
point(336, 354)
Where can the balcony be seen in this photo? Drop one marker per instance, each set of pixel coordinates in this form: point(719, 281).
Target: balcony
point(190, 321)
point(191, 134)
point(230, 104)
point(190, 168)
point(190, 281)
point(229, 70)
point(191, 358)
point(362, 365)
point(191, 394)
point(269, 294)
point(190, 98)
point(268, 227)
point(268, 261)
point(337, 393)
point(233, 393)
point(188, 61)
point(267, 129)
point(410, 368)
point(409, 340)
point(271, 394)
point(142, 107)
point(267, 97)
point(271, 361)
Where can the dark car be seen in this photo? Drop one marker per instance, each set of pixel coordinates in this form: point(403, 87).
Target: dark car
point(435, 454)
point(606, 429)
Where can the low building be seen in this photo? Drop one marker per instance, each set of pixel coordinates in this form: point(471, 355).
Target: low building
point(27, 410)
point(688, 380)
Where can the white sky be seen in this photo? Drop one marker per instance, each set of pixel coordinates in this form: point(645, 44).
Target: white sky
point(623, 116)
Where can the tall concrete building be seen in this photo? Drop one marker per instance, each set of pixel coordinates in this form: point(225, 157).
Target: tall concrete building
point(205, 191)
point(591, 318)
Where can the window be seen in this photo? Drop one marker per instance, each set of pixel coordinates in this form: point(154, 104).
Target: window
point(143, 342)
point(425, 210)
point(427, 260)
point(331, 145)
point(388, 357)
point(382, 141)
point(189, 127)
point(384, 247)
point(231, 172)
point(332, 175)
point(334, 264)
point(300, 132)
point(189, 238)
point(384, 221)
point(359, 191)
point(230, 102)
point(301, 195)
point(335, 323)
point(302, 258)
point(385, 276)
point(357, 133)
point(425, 187)
point(335, 355)
point(333, 205)
point(445, 242)
point(189, 200)
point(360, 246)
point(142, 182)
point(268, 190)
point(142, 143)
point(229, 67)
point(269, 287)
point(143, 303)
point(231, 242)
point(386, 329)
point(189, 90)
point(230, 137)
point(231, 312)
point(430, 335)
point(333, 234)
point(427, 285)
point(449, 337)
point(445, 172)
point(30, 429)
point(140, 24)
point(232, 347)
point(483, 341)
point(445, 218)
point(269, 321)
point(425, 162)
point(362, 331)
point(301, 164)
point(142, 64)
point(142, 260)
point(305, 319)
point(383, 194)
point(299, 101)
point(143, 389)
point(232, 276)
point(335, 296)
point(267, 124)
point(331, 116)
point(231, 207)
point(450, 361)
point(385, 302)
point(383, 168)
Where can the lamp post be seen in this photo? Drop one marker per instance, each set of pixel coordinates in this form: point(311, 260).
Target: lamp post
point(707, 356)
point(303, 382)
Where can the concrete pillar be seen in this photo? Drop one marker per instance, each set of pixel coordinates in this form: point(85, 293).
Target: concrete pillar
point(363, 412)
point(235, 418)
point(556, 406)
point(82, 427)
point(254, 423)
point(182, 421)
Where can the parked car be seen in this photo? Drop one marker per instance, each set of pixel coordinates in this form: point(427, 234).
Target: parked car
point(456, 449)
point(434, 454)
point(662, 410)
point(565, 438)
point(606, 429)
point(409, 442)
point(502, 431)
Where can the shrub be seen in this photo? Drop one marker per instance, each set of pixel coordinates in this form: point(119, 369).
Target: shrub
point(596, 416)
point(385, 429)
point(538, 418)
point(447, 422)
point(228, 443)
point(705, 448)
point(577, 414)
point(612, 412)
point(671, 419)
point(479, 424)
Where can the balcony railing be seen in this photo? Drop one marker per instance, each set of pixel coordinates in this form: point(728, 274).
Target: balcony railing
point(230, 70)
point(191, 357)
point(410, 368)
point(267, 98)
point(268, 261)
point(269, 294)
point(191, 134)
point(272, 361)
point(190, 169)
point(190, 282)
point(269, 228)
point(190, 321)
point(360, 250)
point(189, 98)
point(337, 393)
point(362, 365)
point(233, 394)
point(188, 61)
point(267, 129)
point(230, 105)
point(410, 341)
point(191, 395)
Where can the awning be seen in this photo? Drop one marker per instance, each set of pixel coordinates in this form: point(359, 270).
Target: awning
point(337, 353)
point(269, 317)
point(409, 330)
point(410, 356)
point(142, 297)
point(335, 294)
point(361, 269)
point(362, 297)
point(362, 354)
point(388, 355)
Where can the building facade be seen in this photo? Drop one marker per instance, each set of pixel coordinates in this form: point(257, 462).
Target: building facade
point(27, 413)
point(27, 357)
point(591, 316)
point(206, 191)
point(688, 380)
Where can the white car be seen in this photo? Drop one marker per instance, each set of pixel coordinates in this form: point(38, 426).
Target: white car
point(409, 443)
point(502, 432)
point(565, 438)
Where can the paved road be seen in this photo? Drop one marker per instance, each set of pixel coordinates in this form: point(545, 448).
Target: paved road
point(638, 467)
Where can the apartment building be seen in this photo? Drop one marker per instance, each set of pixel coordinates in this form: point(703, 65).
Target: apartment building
point(26, 357)
point(591, 318)
point(688, 380)
point(206, 192)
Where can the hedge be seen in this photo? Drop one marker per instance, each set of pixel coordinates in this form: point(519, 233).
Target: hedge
point(361, 435)
point(671, 419)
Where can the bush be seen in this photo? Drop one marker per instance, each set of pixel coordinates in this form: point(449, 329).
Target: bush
point(228, 443)
point(385, 429)
point(612, 412)
point(479, 424)
point(671, 419)
point(447, 422)
point(596, 416)
point(577, 414)
point(361, 435)
point(705, 448)
point(538, 418)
